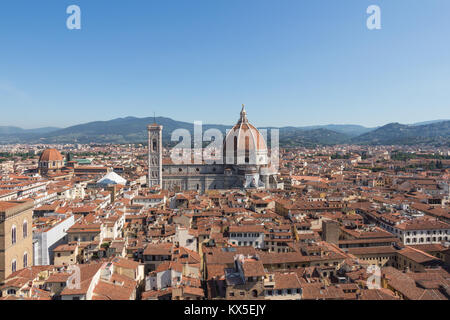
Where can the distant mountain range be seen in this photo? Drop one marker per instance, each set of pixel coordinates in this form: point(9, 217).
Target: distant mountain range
point(133, 130)
point(7, 130)
point(437, 133)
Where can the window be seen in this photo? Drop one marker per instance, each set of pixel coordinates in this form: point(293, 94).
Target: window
point(25, 229)
point(25, 260)
point(235, 149)
point(13, 235)
point(13, 266)
point(155, 144)
point(247, 149)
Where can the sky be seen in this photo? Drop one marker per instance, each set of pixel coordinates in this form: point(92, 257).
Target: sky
point(291, 62)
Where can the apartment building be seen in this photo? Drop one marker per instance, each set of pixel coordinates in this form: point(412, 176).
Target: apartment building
point(422, 231)
point(247, 235)
point(16, 245)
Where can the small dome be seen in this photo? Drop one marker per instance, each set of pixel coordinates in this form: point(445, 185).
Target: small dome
point(51, 155)
point(245, 140)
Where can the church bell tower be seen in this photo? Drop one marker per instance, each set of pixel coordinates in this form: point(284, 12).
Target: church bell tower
point(154, 155)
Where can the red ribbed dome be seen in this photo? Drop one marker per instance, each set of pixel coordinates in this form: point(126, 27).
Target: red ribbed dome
point(51, 155)
point(246, 138)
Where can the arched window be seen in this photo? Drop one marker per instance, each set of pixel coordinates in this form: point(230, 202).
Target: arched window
point(11, 291)
point(13, 235)
point(235, 146)
point(13, 266)
point(25, 229)
point(154, 145)
point(247, 149)
point(25, 260)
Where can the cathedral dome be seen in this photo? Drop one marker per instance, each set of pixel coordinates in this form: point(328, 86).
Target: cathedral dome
point(51, 155)
point(244, 144)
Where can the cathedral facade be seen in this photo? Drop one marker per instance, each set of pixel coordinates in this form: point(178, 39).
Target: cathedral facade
point(245, 165)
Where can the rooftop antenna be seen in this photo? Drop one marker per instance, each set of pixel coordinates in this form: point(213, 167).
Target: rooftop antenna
point(154, 117)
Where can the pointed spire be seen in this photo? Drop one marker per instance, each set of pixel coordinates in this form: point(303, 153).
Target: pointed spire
point(243, 114)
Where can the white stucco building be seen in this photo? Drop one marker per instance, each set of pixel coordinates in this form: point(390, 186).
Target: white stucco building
point(46, 239)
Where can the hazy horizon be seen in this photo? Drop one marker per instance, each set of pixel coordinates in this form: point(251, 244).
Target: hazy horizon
point(226, 124)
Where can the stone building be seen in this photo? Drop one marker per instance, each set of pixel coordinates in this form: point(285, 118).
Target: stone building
point(16, 243)
point(245, 163)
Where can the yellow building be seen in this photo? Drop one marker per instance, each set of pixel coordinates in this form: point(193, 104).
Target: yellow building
point(16, 239)
point(66, 254)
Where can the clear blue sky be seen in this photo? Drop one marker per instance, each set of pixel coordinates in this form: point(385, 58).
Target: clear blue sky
point(292, 62)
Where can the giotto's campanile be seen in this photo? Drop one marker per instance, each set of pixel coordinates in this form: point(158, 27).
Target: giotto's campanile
point(154, 155)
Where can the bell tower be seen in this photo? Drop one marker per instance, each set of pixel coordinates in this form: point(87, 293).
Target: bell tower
point(154, 155)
